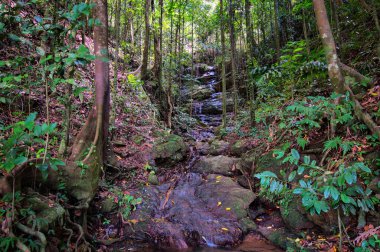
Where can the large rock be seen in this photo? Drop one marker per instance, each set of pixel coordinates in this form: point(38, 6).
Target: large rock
point(216, 164)
point(294, 216)
point(240, 147)
point(200, 93)
point(169, 150)
point(218, 147)
point(193, 211)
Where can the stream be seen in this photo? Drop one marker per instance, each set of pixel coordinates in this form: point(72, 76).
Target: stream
point(201, 209)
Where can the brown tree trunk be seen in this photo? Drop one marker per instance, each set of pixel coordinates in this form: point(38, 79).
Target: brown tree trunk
point(233, 54)
point(334, 70)
point(276, 29)
point(144, 68)
point(329, 45)
point(250, 43)
point(223, 41)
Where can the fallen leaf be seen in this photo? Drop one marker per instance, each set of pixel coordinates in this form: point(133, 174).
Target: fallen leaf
point(225, 229)
point(219, 203)
point(228, 209)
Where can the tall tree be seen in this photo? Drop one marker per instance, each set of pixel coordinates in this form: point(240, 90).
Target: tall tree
point(223, 41)
point(334, 70)
point(144, 68)
point(233, 54)
point(250, 43)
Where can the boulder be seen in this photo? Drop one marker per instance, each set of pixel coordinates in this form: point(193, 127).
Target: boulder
point(218, 147)
point(195, 210)
point(294, 216)
point(216, 164)
point(240, 147)
point(200, 93)
point(170, 150)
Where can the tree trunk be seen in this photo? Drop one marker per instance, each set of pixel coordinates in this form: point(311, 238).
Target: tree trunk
point(233, 55)
point(223, 41)
point(144, 68)
point(250, 45)
point(82, 175)
point(276, 30)
point(334, 70)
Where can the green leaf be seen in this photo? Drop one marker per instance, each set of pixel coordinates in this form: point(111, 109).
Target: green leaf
point(306, 160)
point(295, 154)
point(334, 193)
point(302, 142)
point(345, 198)
point(40, 51)
point(303, 184)
point(20, 160)
point(321, 205)
point(292, 175)
point(266, 174)
point(349, 177)
point(300, 169)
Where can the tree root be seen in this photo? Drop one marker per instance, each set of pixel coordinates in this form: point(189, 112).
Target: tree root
point(35, 233)
point(80, 229)
point(362, 115)
point(71, 232)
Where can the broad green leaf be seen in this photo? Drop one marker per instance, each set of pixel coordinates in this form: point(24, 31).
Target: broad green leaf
point(292, 175)
point(20, 160)
point(295, 154)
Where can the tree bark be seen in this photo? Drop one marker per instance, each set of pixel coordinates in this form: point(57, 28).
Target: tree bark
point(329, 45)
point(250, 43)
point(223, 41)
point(144, 68)
point(233, 54)
point(334, 70)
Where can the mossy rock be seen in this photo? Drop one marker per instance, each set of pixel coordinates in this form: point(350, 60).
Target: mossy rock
point(107, 205)
point(294, 216)
point(218, 147)
point(152, 179)
point(216, 164)
point(240, 147)
point(170, 150)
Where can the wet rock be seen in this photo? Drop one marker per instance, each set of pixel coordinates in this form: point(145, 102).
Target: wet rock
point(193, 211)
point(294, 216)
point(280, 237)
point(216, 164)
point(169, 150)
point(200, 93)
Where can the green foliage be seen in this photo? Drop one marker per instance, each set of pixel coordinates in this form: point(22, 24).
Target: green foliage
point(20, 138)
point(370, 244)
point(127, 203)
point(322, 190)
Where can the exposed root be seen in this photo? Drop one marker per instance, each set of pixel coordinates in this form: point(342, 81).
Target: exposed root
point(21, 246)
point(71, 232)
point(35, 233)
point(80, 229)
